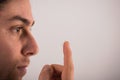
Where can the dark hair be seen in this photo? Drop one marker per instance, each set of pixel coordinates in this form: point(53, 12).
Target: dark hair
point(2, 3)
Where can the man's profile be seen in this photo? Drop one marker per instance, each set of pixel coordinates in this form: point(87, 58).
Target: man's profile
point(17, 44)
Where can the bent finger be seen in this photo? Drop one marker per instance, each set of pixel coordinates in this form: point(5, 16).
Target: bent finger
point(46, 73)
point(57, 67)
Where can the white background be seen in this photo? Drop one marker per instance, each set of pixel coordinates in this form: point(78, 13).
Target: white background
point(91, 26)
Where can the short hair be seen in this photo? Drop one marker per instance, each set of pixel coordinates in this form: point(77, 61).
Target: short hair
point(2, 3)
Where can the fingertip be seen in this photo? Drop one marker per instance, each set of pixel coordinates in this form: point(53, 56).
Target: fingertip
point(46, 67)
point(66, 47)
point(66, 43)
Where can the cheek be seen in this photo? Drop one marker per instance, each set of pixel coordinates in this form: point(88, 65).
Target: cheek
point(9, 52)
point(9, 56)
point(9, 46)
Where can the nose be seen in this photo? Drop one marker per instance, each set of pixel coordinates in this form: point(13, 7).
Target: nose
point(30, 46)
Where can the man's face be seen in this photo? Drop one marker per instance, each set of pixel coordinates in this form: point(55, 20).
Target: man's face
point(16, 41)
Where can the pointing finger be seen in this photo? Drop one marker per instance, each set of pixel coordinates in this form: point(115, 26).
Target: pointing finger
point(68, 63)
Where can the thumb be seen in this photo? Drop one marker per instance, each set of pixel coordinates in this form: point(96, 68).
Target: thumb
point(46, 73)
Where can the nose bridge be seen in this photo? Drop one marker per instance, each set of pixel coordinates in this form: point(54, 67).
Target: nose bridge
point(31, 47)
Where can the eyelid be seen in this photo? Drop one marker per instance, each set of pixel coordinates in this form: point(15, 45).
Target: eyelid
point(18, 26)
point(21, 26)
point(14, 28)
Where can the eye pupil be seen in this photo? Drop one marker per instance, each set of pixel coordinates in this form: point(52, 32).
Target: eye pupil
point(18, 29)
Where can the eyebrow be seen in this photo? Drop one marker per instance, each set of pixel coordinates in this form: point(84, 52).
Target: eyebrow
point(24, 20)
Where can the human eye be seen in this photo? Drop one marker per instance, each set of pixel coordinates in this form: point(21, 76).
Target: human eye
point(17, 29)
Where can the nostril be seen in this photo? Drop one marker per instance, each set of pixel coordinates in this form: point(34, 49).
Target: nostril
point(29, 51)
point(30, 54)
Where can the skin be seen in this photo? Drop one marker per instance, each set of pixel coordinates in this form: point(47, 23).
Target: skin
point(17, 45)
point(60, 72)
point(16, 41)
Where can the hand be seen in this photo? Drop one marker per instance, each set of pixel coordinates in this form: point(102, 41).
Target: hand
point(59, 72)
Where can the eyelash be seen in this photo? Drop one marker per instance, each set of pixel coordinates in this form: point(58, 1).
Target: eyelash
point(18, 29)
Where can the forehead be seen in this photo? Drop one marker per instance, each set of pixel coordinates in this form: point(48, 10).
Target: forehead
point(17, 7)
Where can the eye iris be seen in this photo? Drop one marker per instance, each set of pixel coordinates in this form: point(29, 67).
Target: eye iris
point(18, 29)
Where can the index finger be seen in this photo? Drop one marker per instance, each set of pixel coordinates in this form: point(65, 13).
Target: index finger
point(68, 62)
